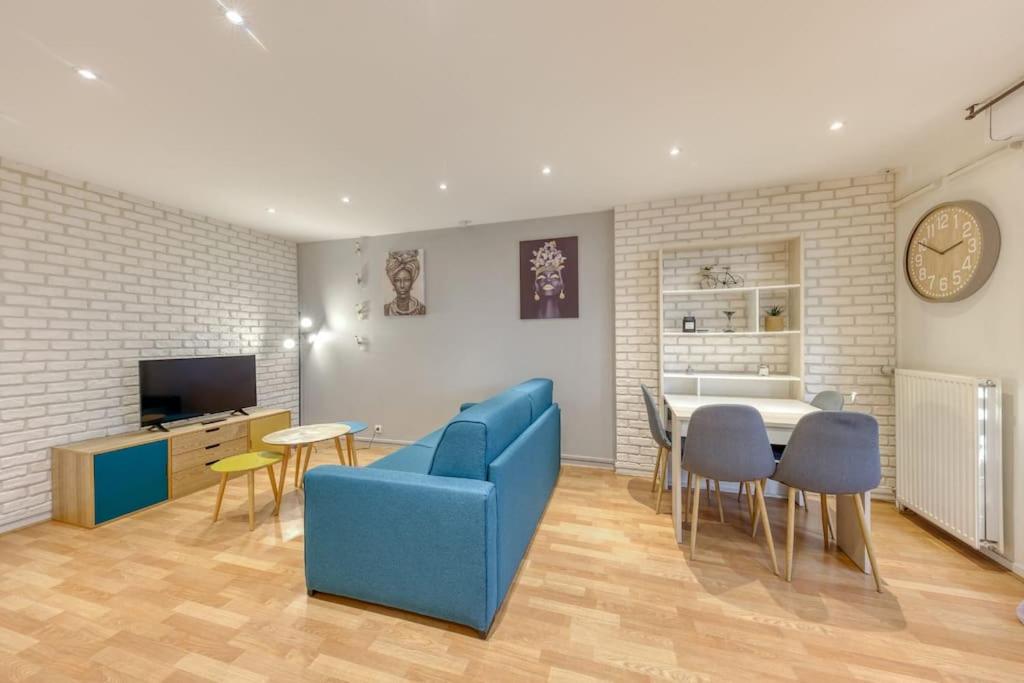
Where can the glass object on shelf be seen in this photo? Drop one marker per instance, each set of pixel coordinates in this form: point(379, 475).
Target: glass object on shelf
point(689, 323)
point(728, 321)
point(762, 370)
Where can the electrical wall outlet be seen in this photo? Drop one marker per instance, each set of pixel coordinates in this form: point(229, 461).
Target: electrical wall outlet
point(377, 429)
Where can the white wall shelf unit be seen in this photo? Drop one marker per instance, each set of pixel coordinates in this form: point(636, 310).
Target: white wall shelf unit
point(707, 361)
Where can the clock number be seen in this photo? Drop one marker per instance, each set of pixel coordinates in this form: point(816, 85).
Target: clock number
point(943, 221)
point(957, 279)
point(922, 274)
point(967, 262)
point(972, 244)
point(918, 259)
point(943, 284)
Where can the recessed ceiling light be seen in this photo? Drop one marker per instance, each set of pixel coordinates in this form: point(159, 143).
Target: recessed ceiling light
point(88, 74)
point(271, 209)
point(546, 170)
point(836, 125)
point(234, 17)
point(443, 186)
point(346, 199)
point(674, 151)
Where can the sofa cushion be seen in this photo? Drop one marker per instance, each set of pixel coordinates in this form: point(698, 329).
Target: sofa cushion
point(414, 458)
point(476, 436)
point(539, 391)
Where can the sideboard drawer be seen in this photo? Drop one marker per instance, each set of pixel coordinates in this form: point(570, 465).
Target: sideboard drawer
point(193, 479)
point(209, 454)
point(209, 436)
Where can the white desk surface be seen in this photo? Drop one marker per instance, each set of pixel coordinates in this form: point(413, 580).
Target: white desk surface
point(776, 412)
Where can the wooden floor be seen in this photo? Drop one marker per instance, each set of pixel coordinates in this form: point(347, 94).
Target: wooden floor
point(604, 594)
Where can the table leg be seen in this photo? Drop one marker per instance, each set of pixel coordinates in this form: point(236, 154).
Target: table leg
point(284, 472)
point(251, 476)
point(350, 442)
point(273, 485)
point(338, 449)
point(677, 478)
point(848, 535)
point(220, 495)
point(298, 464)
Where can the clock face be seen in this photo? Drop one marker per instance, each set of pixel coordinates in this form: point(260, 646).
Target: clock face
point(952, 251)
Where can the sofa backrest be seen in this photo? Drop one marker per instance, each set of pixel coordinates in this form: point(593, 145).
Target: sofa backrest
point(477, 435)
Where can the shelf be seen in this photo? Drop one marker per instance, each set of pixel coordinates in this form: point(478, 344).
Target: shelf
point(739, 376)
point(738, 333)
point(731, 290)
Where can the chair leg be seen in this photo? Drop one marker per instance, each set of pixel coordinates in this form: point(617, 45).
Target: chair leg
point(220, 495)
point(696, 513)
point(757, 510)
point(767, 526)
point(686, 498)
point(823, 499)
point(790, 521)
point(865, 532)
point(661, 489)
point(750, 500)
point(718, 495)
point(657, 467)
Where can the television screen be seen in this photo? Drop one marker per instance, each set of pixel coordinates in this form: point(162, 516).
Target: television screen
point(182, 388)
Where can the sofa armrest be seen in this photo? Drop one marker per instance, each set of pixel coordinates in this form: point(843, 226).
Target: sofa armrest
point(417, 542)
point(466, 406)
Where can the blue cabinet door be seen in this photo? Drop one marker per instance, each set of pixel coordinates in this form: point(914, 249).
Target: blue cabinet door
point(129, 479)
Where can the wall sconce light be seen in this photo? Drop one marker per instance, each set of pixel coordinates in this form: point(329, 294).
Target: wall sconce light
point(359, 278)
point(362, 309)
point(306, 323)
point(359, 247)
point(361, 342)
point(288, 343)
point(311, 337)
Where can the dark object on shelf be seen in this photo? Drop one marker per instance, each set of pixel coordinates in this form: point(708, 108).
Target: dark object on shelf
point(689, 324)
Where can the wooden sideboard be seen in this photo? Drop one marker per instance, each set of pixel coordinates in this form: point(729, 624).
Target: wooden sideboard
point(100, 480)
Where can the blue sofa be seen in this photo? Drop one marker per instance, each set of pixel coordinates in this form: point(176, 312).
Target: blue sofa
point(439, 527)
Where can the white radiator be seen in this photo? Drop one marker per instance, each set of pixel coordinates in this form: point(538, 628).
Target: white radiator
point(949, 454)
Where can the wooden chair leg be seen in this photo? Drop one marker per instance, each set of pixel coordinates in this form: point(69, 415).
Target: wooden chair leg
point(865, 532)
point(657, 467)
point(661, 489)
point(823, 499)
point(220, 495)
point(767, 526)
point(350, 443)
point(339, 451)
point(718, 495)
point(750, 500)
point(686, 498)
point(251, 476)
point(790, 521)
point(707, 485)
point(695, 514)
point(757, 510)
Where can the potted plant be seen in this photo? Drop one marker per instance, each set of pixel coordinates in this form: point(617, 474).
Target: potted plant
point(773, 318)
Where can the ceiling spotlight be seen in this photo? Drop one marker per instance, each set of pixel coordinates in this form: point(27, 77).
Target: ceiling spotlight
point(289, 343)
point(836, 125)
point(234, 17)
point(88, 74)
point(546, 170)
point(346, 199)
point(306, 323)
point(443, 186)
point(674, 151)
point(271, 209)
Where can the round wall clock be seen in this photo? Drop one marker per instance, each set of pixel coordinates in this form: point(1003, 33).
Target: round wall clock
point(952, 251)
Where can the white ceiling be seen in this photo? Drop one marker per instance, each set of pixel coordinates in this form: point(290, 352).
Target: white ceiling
point(383, 99)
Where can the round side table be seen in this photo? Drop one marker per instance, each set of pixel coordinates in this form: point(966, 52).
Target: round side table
point(354, 428)
point(303, 438)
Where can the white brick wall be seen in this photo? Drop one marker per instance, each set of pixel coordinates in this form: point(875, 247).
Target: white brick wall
point(92, 280)
point(849, 231)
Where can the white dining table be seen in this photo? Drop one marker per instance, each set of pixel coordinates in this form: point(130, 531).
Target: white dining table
point(780, 416)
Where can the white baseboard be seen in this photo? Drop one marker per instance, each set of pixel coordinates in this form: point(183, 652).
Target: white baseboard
point(587, 461)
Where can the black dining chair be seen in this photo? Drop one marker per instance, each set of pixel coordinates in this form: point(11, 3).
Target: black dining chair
point(728, 443)
point(837, 453)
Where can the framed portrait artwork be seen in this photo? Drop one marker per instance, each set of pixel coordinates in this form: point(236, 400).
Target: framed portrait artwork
point(549, 278)
point(404, 273)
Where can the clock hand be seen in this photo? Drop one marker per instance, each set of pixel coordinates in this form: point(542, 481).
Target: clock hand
point(928, 246)
point(951, 248)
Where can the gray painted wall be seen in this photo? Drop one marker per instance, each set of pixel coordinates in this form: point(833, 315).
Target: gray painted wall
point(471, 344)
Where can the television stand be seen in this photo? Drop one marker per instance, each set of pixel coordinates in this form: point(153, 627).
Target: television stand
point(213, 421)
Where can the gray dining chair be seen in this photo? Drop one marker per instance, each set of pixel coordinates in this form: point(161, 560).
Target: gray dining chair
point(661, 437)
point(832, 452)
point(728, 443)
point(828, 400)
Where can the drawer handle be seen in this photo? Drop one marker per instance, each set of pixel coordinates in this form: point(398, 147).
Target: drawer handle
point(213, 429)
point(212, 462)
point(212, 445)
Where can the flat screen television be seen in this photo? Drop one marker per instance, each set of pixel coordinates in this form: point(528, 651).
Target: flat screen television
point(183, 388)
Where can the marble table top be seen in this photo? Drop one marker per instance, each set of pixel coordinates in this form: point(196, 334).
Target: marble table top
point(295, 436)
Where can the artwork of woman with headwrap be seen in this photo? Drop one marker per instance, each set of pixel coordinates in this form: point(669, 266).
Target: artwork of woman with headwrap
point(403, 270)
point(548, 279)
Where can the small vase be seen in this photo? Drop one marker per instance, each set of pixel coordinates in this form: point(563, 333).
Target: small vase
point(773, 323)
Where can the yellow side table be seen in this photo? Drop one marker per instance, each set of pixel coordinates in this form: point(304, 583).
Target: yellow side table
point(248, 463)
